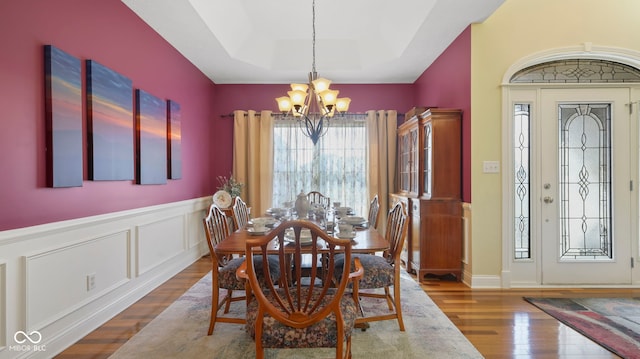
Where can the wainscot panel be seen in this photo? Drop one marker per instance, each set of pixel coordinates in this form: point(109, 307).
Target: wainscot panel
point(159, 241)
point(86, 270)
point(59, 281)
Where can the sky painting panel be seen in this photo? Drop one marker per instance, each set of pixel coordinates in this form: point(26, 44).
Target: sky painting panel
point(151, 125)
point(110, 124)
point(174, 140)
point(63, 108)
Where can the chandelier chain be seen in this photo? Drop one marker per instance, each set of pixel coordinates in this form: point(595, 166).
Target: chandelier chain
point(313, 34)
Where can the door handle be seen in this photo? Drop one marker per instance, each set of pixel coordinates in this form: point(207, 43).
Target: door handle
point(548, 199)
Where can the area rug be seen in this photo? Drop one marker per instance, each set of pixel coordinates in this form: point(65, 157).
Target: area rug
point(181, 332)
point(614, 323)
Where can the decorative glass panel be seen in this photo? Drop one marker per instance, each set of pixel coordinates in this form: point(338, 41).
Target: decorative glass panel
point(577, 71)
point(522, 209)
point(585, 181)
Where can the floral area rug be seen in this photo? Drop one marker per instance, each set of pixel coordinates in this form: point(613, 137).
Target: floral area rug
point(614, 323)
point(181, 332)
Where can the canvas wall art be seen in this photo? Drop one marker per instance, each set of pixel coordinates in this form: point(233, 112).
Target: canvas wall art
point(63, 112)
point(151, 139)
point(110, 124)
point(174, 137)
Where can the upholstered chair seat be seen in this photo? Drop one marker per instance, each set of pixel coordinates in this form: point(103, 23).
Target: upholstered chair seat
point(227, 275)
point(378, 273)
point(320, 335)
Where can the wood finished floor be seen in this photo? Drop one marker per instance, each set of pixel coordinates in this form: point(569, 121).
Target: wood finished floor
point(499, 323)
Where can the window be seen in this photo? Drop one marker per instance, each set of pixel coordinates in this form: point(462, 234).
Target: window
point(336, 166)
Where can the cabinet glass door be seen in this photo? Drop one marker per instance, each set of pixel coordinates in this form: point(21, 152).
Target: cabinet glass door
point(427, 155)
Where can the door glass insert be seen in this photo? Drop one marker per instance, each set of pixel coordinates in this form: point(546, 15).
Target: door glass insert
point(522, 235)
point(585, 181)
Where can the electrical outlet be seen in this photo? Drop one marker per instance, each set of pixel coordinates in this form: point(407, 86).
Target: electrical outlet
point(491, 167)
point(91, 281)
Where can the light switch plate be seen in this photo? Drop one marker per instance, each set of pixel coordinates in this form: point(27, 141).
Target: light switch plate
point(491, 167)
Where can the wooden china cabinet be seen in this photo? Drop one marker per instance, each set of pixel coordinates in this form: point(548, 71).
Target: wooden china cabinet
point(429, 183)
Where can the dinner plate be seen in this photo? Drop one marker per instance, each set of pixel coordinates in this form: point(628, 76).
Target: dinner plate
point(353, 220)
point(347, 235)
point(268, 221)
point(253, 232)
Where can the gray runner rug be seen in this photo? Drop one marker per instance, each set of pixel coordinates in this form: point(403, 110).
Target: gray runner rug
point(181, 332)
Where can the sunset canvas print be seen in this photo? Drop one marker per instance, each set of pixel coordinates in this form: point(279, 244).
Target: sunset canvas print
point(110, 124)
point(63, 108)
point(151, 139)
point(174, 137)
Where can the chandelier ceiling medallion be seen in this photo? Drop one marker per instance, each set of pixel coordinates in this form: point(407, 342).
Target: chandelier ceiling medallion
point(313, 104)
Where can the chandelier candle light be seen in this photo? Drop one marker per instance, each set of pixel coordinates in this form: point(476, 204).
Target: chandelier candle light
point(313, 108)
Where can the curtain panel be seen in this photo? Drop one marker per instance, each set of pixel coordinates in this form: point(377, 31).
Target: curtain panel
point(253, 157)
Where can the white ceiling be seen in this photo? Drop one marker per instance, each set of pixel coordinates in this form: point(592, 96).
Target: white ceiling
point(269, 41)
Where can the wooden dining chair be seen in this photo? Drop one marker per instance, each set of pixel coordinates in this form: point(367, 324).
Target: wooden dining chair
point(374, 208)
point(224, 267)
point(294, 315)
point(240, 213)
point(383, 271)
point(318, 198)
point(216, 228)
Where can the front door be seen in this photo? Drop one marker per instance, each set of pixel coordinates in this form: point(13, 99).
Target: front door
point(585, 196)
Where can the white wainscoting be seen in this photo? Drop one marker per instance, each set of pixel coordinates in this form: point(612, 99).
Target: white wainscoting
point(64, 279)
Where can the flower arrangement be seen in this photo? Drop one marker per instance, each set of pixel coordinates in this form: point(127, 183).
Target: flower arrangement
point(230, 185)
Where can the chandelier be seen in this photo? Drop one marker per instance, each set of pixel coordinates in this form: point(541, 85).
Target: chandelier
point(314, 103)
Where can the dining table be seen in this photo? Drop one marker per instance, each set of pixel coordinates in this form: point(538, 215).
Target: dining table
point(365, 241)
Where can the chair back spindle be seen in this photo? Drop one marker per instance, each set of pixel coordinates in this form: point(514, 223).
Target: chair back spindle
point(240, 213)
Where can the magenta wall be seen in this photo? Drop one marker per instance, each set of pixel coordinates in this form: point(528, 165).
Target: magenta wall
point(447, 83)
point(363, 97)
point(108, 32)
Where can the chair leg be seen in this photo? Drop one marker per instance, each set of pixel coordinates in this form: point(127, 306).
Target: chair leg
point(258, 339)
point(215, 296)
point(348, 350)
point(396, 298)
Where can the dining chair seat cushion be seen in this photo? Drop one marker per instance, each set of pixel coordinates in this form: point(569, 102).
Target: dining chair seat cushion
point(322, 334)
point(378, 272)
point(227, 275)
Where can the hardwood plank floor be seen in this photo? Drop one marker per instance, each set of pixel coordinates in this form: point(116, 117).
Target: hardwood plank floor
point(499, 323)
